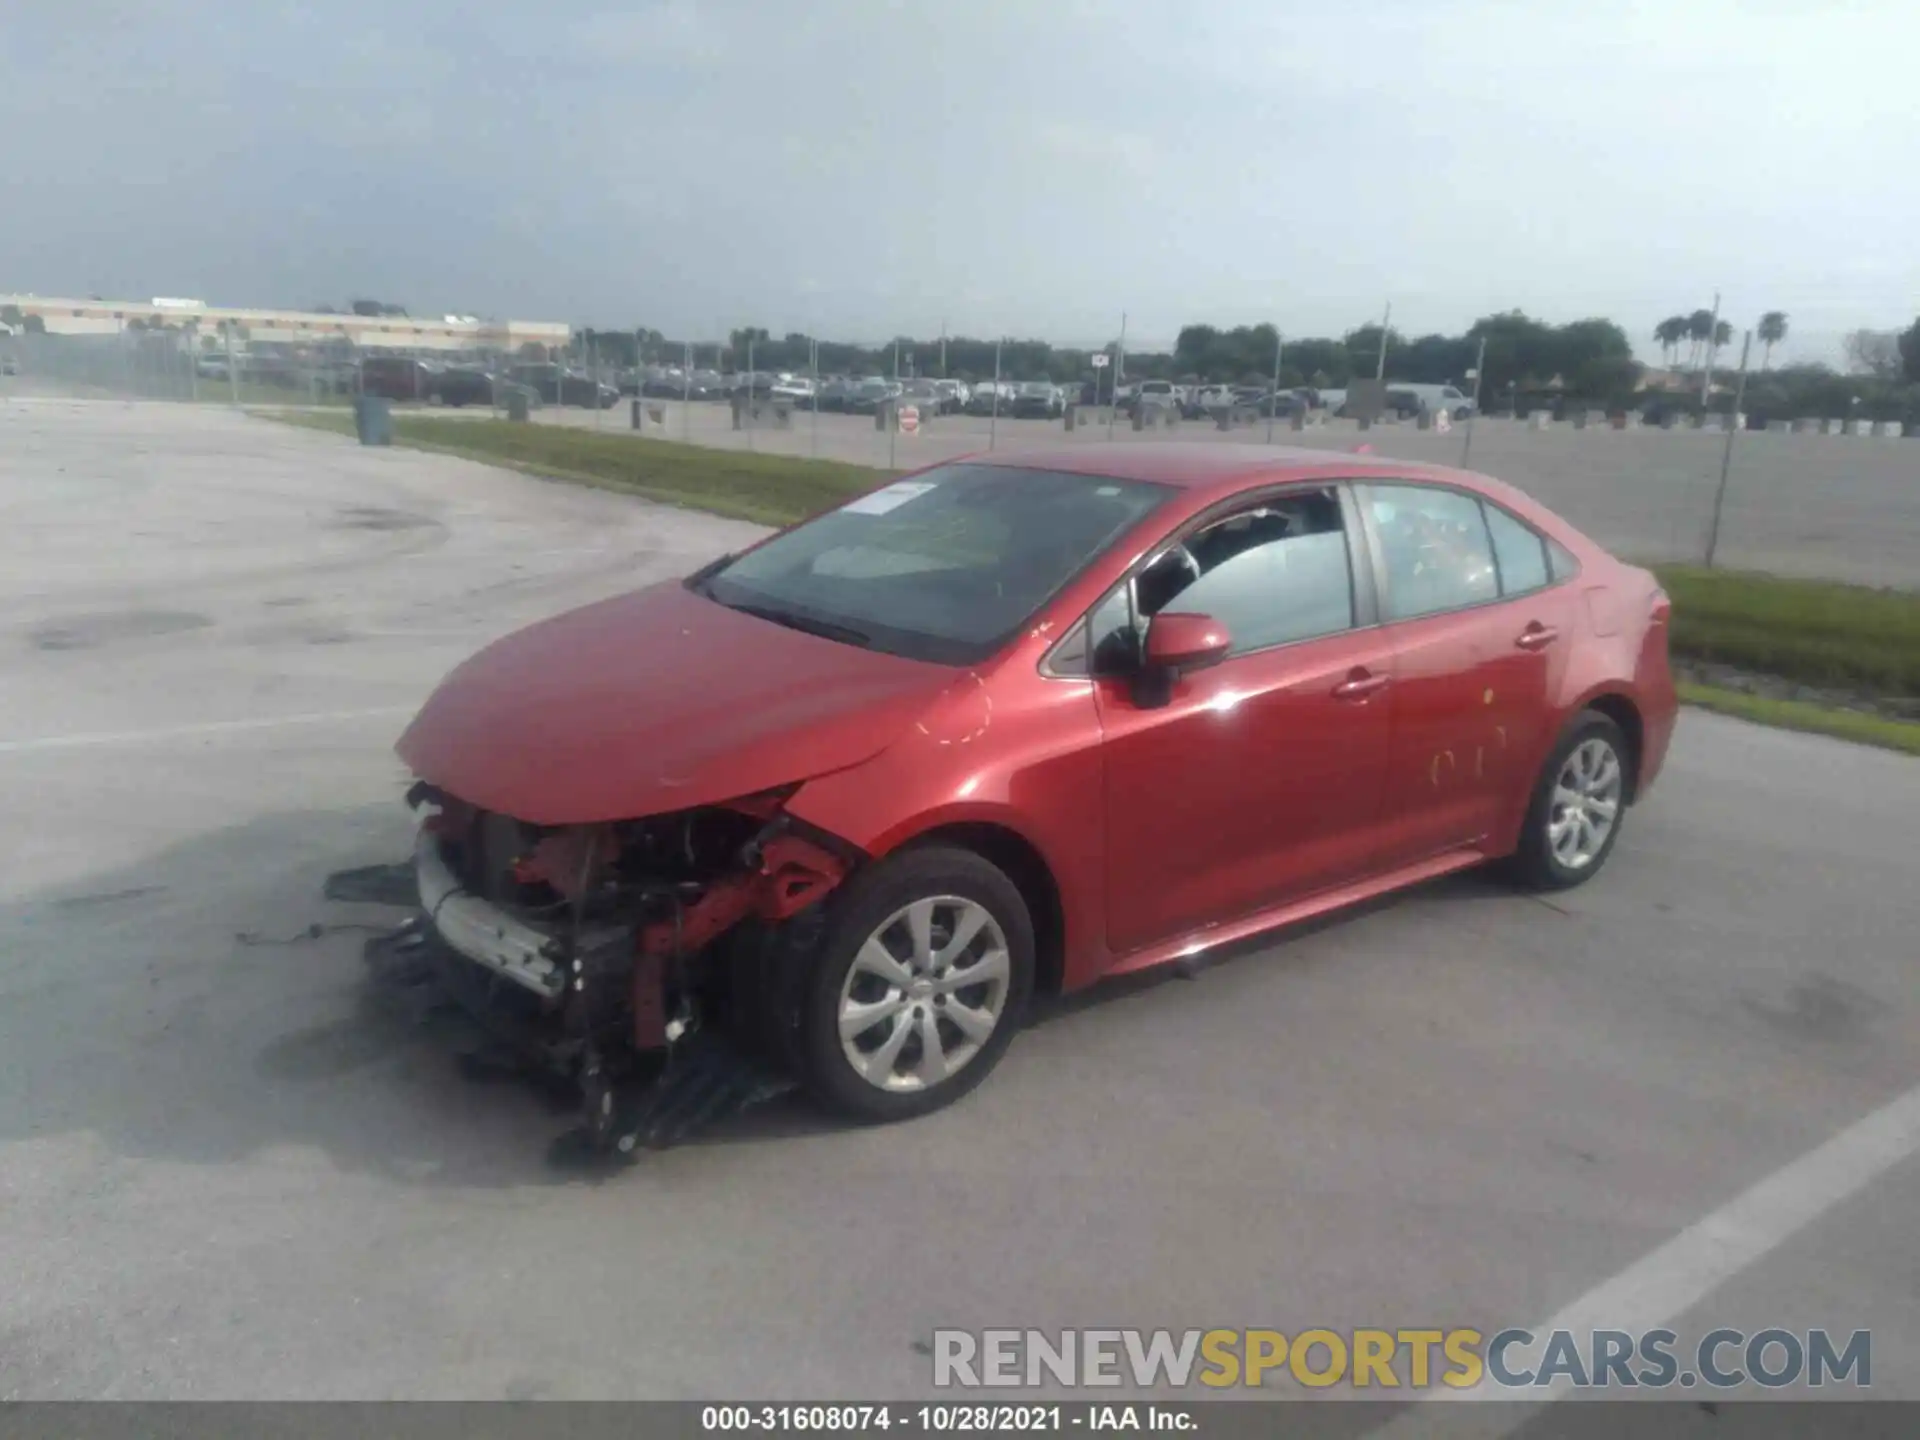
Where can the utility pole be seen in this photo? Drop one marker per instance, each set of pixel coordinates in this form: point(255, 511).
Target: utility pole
point(993, 423)
point(1119, 368)
point(1726, 455)
point(1273, 400)
point(1479, 372)
point(1386, 324)
point(1706, 371)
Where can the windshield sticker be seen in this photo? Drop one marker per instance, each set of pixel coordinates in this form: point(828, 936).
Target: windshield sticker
point(890, 497)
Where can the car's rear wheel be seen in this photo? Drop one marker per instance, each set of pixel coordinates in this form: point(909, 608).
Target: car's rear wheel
point(1578, 804)
point(919, 984)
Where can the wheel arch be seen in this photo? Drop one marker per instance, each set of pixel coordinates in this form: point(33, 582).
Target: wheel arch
point(1022, 862)
point(1621, 708)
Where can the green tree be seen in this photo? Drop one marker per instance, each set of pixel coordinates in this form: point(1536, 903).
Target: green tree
point(1773, 329)
point(1910, 353)
point(1699, 331)
point(1670, 332)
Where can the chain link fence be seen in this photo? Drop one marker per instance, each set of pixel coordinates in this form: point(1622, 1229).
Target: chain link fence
point(1737, 481)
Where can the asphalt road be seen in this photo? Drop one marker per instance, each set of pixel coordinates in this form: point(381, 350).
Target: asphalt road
point(224, 1174)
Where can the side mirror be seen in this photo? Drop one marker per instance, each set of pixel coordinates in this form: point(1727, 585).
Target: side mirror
point(1178, 642)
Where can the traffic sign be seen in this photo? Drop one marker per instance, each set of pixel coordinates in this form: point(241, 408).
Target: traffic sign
point(1100, 360)
point(909, 418)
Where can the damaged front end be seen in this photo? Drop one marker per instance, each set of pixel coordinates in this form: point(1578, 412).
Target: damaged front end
point(629, 958)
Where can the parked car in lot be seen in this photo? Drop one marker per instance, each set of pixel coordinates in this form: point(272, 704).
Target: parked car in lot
point(396, 377)
point(870, 394)
point(1154, 396)
point(986, 397)
point(836, 391)
point(953, 396)
point(855, 796)
point(459, 385)
point(1038, 399)
point(924, 394)
point(556, 385)
point(796, 390)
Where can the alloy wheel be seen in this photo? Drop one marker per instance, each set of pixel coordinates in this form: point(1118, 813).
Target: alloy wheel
point(924, 993)
point(1585, 804)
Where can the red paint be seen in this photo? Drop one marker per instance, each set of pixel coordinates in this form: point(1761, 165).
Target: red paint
point(1259, 789)
point(656, 701)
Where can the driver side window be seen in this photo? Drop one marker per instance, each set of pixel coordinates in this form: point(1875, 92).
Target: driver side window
point(1273, 572)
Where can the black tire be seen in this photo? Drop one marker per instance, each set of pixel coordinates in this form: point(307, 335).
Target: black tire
point(1534, 863)
point(858, 911)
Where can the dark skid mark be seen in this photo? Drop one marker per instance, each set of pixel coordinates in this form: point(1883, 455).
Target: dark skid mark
point(106, 897)
point(83, 632)
point(1819, 1009)
point(374, 517)
point(280, 602)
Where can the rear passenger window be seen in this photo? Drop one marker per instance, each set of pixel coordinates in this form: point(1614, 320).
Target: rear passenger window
point(1438, 553)
point(1520, 551)
point(1564, 566)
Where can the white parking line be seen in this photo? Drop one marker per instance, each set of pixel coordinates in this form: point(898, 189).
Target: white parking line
point(1667, 1282)
point(190, 732)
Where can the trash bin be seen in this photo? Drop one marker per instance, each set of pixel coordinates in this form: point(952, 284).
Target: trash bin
point(519, 402)
point(373, 419)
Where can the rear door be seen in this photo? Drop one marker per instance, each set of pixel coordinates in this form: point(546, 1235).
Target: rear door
point(1479, 634)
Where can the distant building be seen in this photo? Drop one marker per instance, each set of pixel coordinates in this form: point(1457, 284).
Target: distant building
point(254, 328)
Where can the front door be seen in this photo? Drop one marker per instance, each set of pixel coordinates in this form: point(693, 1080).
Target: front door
point(1258, 780)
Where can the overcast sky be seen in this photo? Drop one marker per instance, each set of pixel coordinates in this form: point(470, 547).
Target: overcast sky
point(862, 168)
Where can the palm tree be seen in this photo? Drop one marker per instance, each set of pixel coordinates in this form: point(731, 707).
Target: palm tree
point(1773, 329)
point(1699, 331)
point(1670, 332)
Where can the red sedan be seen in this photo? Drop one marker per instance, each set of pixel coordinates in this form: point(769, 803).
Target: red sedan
point(849, 799)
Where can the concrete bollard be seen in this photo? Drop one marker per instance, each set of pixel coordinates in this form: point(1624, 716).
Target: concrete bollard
point(1139, 417)
point(1539, 419)
point(1778, 427)
point(1832, 427)
point(1806, 425)
point(1887, 429)
point(1859, 427)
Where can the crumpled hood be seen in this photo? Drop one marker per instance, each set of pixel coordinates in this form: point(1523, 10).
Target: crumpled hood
point(656, 701)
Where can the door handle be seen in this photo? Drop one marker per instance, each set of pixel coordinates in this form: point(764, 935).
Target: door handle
point(1537, 637)
point(1359, 686)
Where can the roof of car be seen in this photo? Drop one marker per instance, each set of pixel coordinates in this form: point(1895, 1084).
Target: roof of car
point(1190, 464)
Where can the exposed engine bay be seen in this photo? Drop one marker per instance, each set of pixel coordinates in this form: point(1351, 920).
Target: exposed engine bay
point(601, 954)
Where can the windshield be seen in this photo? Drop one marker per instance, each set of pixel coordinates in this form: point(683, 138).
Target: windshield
point(945, 566)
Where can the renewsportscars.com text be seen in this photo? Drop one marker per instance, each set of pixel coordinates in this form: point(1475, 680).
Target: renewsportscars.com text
point(1400, 1358)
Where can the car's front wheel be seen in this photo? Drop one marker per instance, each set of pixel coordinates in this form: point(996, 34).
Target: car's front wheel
point(919, 984)
point(1578, 803)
